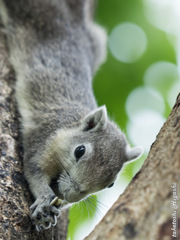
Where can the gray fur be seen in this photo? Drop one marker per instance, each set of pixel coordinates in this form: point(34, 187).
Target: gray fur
point(55, 48)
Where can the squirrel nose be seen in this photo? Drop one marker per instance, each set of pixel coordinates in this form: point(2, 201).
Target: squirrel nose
point(72, 196)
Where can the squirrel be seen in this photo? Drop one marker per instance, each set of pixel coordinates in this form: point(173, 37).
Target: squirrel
point(71, 148)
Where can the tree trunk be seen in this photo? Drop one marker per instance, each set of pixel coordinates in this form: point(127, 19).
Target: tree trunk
point(147, 210)
point(15, 197)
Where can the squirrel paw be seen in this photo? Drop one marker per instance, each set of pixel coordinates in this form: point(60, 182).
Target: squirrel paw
point(43, 214)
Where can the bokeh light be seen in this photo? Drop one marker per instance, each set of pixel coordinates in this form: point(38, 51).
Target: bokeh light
point(161, 76)
point(143, 98)
point(127, 42)
point(172, 94)
point(144, 128)
point(164, 14)
point(145, 107)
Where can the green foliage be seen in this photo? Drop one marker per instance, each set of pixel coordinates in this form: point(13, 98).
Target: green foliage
point(80, 213)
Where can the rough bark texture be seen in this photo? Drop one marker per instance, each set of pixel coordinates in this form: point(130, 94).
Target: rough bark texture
point(15, 197)
point(144, 211)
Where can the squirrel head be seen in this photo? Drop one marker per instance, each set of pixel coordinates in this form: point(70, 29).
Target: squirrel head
point(90, 156)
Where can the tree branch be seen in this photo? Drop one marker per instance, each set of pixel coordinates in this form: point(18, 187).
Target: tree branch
point(144, 210)
point(15, 197)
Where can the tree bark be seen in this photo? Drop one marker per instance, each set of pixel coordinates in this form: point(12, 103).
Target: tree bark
point(147, 209)
point(15, 197)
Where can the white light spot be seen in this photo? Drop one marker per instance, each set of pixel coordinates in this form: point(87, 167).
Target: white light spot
point(144, 98)
point(161, 75)
point(127, 42)
point(143, 130)
point(172, 95)
point(164, 14)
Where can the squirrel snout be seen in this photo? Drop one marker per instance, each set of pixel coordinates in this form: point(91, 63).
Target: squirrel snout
point(72, 195)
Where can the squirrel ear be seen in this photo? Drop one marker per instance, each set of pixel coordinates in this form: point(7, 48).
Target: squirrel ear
point(95, 120)
point(133, 153)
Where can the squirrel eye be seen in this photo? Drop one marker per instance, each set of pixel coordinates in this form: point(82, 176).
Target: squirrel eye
point(112, 184)
point(79, 152)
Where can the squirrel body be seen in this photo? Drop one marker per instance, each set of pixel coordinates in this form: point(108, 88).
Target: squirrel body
point(71, 148)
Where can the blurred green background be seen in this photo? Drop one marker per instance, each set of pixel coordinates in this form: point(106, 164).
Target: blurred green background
point(138, 83)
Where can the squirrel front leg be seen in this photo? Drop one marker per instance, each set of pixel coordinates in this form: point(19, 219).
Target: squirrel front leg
point(43, 213)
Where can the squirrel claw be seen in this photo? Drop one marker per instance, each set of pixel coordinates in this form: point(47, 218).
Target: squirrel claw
point(57, 202)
